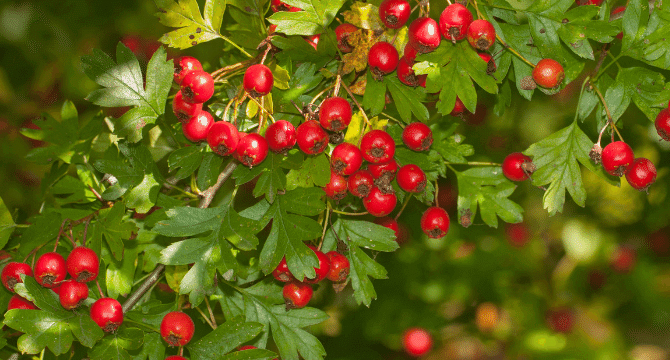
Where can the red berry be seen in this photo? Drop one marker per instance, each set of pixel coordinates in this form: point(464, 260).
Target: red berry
point(377, 146)
point(177, 328)
point(481, 34)
point(184, 110)
point(360, 183)
point(459, 108)
point(339, 266)
point(517, 167)
point(223, 138)
point(281, 272)
point(175, 357)
point(335, 114)
point(382, 58)
point(623, 260)
point(342, 32)
point(297, 294)
point(107, 313)
point(641, 174)
point(379, 204)
point(390, 223)
point(409, 52)
point(11, 274)
point(588, 2)
point(322, 269)
point(251, 150)
point(278, 5)
point(417, 341)
point(454, 22)
point(406, 73)
point(336, 189)
point(258, 80)
point(617, 157)
point(561, 320)
point(490, 63)
point(72, 294)
point(196, 128)
point(663, 124)
point(385, 171)
point(548, 73)
point(311, 137)
point(197, 86)
point(424, 35)
point(313, 40)
point(435, 222)
point(50, 269)
point(83, 264)
point(17, 302)
point(417, 136)
point(346, 159)
point(394, 13)
point(411, 178)
point(517, 234)
point(280, 136)
point(184, 65)
point(246, 347)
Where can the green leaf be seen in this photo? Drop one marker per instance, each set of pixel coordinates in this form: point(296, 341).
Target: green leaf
point(224, 339)
point(407, 100)
point(315, 171)
point(192, 28)
point(7, 224)
point(251, 354)
point(152, 348)
point(209, 170)
point(364, 15)
point(187, 159)
point(305, 79)
point(314, 19)
point(119, 275)
point(114, 346)
point(580, 27)
point(640, 85)
point(374, 98)
point(43, 229)
point(114, 228)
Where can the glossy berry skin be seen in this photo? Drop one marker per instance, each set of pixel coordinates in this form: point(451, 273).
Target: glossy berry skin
point(394, 13)
point(336, 189)
point(197, 86)
point(335, 114)
point(177, 328)
point(107, 313)
point(517, 166)
point(617, 157)
point(548, 73)
point(50, 269)
point(196, 128)
point(417, 136)
point(72, 294)
point(407, 76)
point(379, 204)
point(339, 266)
point(662, 124)
point(346, 159)
point(390, 223)
point(11, 274)
point(385, 170)
point(184, 110)
point(83, 264)
point(454, 22)
point(313, 40)
point(223, 138)
point(383, 58)
point(311, 137)
point(435, 222)
point(424, 35)
point(360, 183)
point(184, 65)
point(481, 34)
point(297, 294)
point(175, 357)
point(258, 80)
point(321, 270)
point(417, 341)
point(342, 33)
point(409, 53)
point(280, 136)
point(641, 174)
point(281, 272)
point(411, 178)
point(251, 150)
point(17, 302)
point(377, 146)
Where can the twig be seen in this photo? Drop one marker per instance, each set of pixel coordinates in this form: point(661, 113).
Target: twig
point(263, 109)
point(404, 205)
point(146, 285)
point(102, 295)
point(208, 195)
point(205, 317)
point(607, 110)
point(360, 108)
point(211, 313)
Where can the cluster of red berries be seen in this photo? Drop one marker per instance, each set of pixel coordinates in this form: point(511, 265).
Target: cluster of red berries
point(618, 160)
point(197, 86)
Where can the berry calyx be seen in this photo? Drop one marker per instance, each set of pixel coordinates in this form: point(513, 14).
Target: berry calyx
point(11, 274)
point(335, 114)
point(17, 302)
point(662, 124)
point(183, 65)
point(346, 159)
point(297, 294)
point(385, 172)
point(223, 138)
point(177, 328)
point(197, 86)
point(83, 264)
point(390, 223)
point(72, 294)
point(196, 128)
point(360, 183)
point(280, 136)
point(342, 33)
point(435, 222)
point(641, 174)
point(339, 266)
point(322, 269)
point(50, 269)
point(311, 137)
point(184, 110)
point(424, 35)
point(548, 73)
point(281, 272)
point(481, 34)
point(411, 178)
point(336, 189)
point(454, 22)
point(406, 74)
point(383, 58)
point(517, 167)
point(616, 158)
point(491, 66)
point(377, 146)
point(417, 341)
point(107, 313)
point(417, 136)
point(379, 204)
point(251, 150)
point(258, 80)
point(394, 13)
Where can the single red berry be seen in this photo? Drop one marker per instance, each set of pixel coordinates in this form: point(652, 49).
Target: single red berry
point(548, 73)
point(335, 114)
point(417, 341)
point(663, 124)
point(17, 302)
point(11, 274)
point(281, 272)
point(385, 171)
point(435, 222)
point(641, 174)
point(311, 137)
point(72, 294)
point(517, 234)
point(360, 183)
point(623, 259)
point(184, 110)
point(175, 357)
point(382, 58)
point(394, 13)
point(336, 189)
point(313, 40)
point(83, 264)
point(339, 266)
point(390, 223)
point(322, 269)
point(196, 128)
point(379, 204)
point(342, 33)
point(50, 269)
point(377, 146)
point(251, 150)
point(411, 178)
point(454, 22)
point(280, 136)
point(223, 138)
point(197, 86)
point(409, 52)
point(617, 157)
point(184, 65)
point(258, 80)
point(517, 167)
point(417, 136)
point(407, 76)
point(491, 66)
point(107, 313)
point(177, 328)
point(561, 320)
point(346, 159)
point(297, 294)
point(424, 35)
point(459, 108)
point(481, 34)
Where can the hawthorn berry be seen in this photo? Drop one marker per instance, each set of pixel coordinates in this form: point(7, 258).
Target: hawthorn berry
point(184, 65)
point(435, 222)
point(641, 174)
point(517, 167)
point(378, 203)
point(50, 269)
point(313, 40)
point(384, 172)
point(424, 35)
point(390, 223)
point(394, 13)
point(281, 272)
point(223, 138)
point(197, 86)
point(382, 58)
point(411, 178)
point(561, 320)
point(177, 328)
point(17, 302)
point(335, 114)
point(342, 33)
point(662, 124)
point(377, 146)
point(548, 73)
point(11, 274)
point(417, 136)
point(409, 52)
point(322, 269)
point(196, 128)
point(251, 150)
point(83, 264)
point(280, 136)
point(617, 157)
point(258, 80)
point(417, 341)
point(454, 22)
point(184, 110)
point(72, 294)
point(175, 357)
point(623, 259)
point(459, 108)
point(481, 34)
point(346, 159)
point(360, 183)
point(311, 137)
point(297, 294)
point(336, 189)
point(407, 76)
point(246, 347)
point(517, 234)
point(339, 266)
point(107, 313)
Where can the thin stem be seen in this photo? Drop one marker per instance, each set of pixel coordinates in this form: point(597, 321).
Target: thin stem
point(404, 205)
point(607, 110)
point(581, 92)
point(360, 108)
point(184, 192)
point(325, 226)
point(437, 190)
point(473, 163)
point(348, 213)
point(211, 313)
point(400, 123)
point(231, 42)
point(602, 70)
point(320, 94)
point(262, 108)
point(102, 295)
point(148, 327)
point(204, 316)
point(338, 81)
point(208, 195)
point(146, 285)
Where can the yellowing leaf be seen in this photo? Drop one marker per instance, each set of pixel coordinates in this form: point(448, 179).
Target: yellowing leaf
point(361, 40)
point(174, 274)
point(281, 76)
point(364, 16)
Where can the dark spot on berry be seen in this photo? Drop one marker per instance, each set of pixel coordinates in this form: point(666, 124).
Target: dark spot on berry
point(490, 67)
point(339, 165)
point(187, 92)
point(421, 186)
point(528, 167)
point(435, 233)
point(182, 117)
point(377, 152)
point(178, 68)
point(254, 94)
point(454, 32)
point(336, 125)
point(377, 74)
point(318, 146)
point(248, 160)
point(221, 149)
point(364, 190)
point(110, 327)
